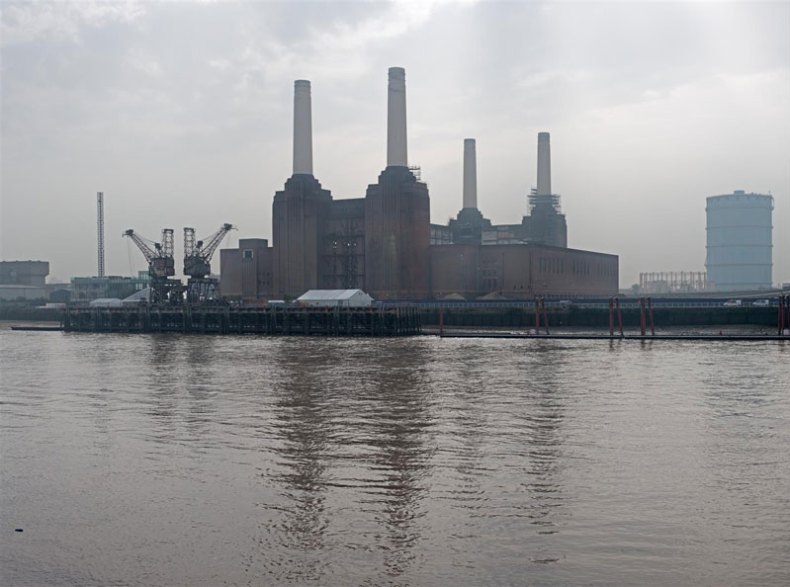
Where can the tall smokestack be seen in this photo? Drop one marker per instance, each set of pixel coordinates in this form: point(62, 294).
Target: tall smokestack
point(396, 118)
point(100, 233)
point(303, 129)
point(470, 174)
point(544, 164)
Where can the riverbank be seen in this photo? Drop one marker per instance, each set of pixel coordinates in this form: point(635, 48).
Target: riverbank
point(585, 317)
point(524, 317)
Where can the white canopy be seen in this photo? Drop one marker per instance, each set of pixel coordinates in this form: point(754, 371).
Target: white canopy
point(327, 298)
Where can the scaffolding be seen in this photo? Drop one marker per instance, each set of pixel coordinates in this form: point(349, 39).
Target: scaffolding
point(673, 282)
point(345, 256)
point(552, 200)
point(100, 233)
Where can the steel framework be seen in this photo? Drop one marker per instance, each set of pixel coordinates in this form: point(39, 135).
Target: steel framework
point(161, 266)
point(197, 263)
point(673, 282)
point(100, 232)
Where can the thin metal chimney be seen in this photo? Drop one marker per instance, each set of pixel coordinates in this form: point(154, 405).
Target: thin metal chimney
point(544, 165)
point(100, 232)
point(303, 129)
point(470, 174)
point(396, 118)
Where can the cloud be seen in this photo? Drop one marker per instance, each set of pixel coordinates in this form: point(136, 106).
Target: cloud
point(164, 105)
point(144, 63)
point(333, 47)
point(29, 22)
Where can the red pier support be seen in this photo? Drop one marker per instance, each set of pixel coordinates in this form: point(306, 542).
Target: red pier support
point(642, 317)
point(783, 321)
point(611, 317)
point(652, 322)
point(545, 315)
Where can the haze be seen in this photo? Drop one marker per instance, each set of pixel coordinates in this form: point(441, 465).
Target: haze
point(181, 114)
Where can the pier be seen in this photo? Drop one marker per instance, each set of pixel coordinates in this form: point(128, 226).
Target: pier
point(273, 321)
point(629, 337)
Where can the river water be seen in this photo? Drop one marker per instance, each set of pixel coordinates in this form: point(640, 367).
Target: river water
point(208, 460)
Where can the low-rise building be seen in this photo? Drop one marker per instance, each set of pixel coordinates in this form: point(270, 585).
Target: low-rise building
point(85, 289)
point(23, 280)
point(33, 273)
point(246, 272)
point(335, 298)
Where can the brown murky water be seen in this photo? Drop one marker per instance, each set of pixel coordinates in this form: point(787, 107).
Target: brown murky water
point(171, 460)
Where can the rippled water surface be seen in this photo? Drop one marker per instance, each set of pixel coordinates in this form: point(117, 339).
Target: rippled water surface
point(199, 460)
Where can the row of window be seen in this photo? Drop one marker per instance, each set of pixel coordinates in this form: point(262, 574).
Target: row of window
point(606, 270)
point(551, 265)
point(581, 268)
point(578, 267)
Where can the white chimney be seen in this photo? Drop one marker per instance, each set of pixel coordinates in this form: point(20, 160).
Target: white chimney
point(396, 118)
point(470, 174)
point(544, 164)
point(303, 129)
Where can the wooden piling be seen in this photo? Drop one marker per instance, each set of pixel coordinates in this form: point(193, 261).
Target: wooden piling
point(398, 321)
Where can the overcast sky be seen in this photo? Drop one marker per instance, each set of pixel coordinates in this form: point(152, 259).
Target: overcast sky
point(182, 114)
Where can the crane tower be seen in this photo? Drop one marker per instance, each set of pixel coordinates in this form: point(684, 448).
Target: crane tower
point(161, 266)
point(197, 263)
point(100, 233)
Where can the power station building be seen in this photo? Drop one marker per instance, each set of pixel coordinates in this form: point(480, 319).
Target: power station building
point(23, 279)
point(739, 241)
point(384, 243)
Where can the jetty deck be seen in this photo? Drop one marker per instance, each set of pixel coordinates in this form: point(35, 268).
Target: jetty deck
point(290, 321)
point(616, 337)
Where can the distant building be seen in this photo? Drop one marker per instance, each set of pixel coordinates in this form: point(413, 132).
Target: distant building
point(385, 244)
point(544, 225)
point(246, 272)
point(24, 280)
point(86, 289)
point(32, 273)
point(21, 292)
point(739, 241)
point(519, 271)
point(58, 292)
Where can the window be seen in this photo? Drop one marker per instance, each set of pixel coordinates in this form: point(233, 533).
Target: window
point(246, 254)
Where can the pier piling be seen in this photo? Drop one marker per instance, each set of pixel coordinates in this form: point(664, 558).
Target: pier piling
point(404, 321)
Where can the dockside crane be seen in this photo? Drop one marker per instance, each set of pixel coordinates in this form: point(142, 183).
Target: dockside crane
point(161, 266)
point(197, 263)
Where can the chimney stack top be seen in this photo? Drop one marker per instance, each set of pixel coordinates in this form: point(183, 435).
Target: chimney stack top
point(303, 129)
point(396, 118)
point(470, 174)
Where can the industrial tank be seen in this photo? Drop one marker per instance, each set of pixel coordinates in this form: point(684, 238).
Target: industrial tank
point(739, 244)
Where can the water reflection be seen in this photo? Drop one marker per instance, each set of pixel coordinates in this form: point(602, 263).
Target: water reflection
point(161, 398)
point(351, 441)
point(399, 421)
point(414, 462)
point(302, 428)
point(182, 383)
point(199, 377)
point(545, 405)
point(100, 392)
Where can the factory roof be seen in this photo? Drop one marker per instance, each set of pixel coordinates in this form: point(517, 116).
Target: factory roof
point(105, 303)
point(328, 294)
point(144, 295)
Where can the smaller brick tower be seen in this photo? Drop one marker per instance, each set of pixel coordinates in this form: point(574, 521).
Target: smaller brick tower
point(397, 213)
point(299, 210)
